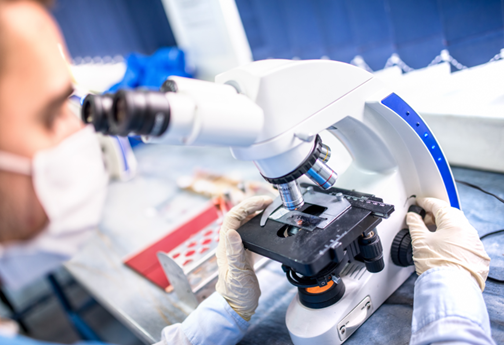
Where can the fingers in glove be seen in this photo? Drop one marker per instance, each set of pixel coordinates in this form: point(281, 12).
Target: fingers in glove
point(429, 219)
point(249, 218)
point(221, 253)
point(417, 227)
point(235, 252)
point(432, 205)
point(235, 217)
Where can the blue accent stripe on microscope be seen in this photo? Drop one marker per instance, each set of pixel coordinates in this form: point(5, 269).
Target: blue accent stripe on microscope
point(396, 103)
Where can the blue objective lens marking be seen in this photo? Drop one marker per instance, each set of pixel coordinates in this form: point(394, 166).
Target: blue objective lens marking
point(319, 179)
point(396, 104)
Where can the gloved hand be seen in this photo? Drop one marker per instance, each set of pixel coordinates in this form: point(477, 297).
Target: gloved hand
point(237, 280)
point(455, 243)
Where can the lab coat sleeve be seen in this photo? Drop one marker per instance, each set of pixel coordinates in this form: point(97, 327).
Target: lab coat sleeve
point(213, 322)
point(448, 308)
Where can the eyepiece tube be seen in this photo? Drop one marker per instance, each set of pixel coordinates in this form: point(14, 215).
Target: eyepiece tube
point(291, 195)
point(140, 112)
point(322, 175)
point(96, 110)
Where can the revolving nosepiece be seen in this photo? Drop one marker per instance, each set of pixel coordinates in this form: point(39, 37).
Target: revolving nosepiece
point(313, 166)
point(96, 110)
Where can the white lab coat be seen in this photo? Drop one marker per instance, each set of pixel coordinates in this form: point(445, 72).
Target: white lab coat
point(213, 322)
point(448, 308)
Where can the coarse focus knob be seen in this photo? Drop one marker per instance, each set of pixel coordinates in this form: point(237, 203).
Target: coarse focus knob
point(401, 250)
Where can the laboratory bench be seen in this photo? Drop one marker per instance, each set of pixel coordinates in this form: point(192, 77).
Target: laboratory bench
point(144, 209)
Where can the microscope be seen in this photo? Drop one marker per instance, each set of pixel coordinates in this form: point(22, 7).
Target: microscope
point(341, 238)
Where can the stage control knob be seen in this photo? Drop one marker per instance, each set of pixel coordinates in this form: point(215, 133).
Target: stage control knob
point(371, 251)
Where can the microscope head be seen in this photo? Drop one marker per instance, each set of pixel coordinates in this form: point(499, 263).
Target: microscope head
point(290, 93)
point(271, 112)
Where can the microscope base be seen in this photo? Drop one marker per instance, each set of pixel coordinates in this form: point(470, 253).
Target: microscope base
point(364, 294)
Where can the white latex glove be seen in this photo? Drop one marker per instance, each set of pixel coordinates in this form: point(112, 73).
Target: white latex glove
point(237, 280)
point(455, 243)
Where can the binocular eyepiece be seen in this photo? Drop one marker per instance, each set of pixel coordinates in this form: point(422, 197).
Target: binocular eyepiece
point(96, 111)
point(139, 112)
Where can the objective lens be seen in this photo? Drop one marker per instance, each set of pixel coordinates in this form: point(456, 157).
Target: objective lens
point(322, 175)
point(140, 112)
point(291, 195)
point(325, 153)
point(96, 110)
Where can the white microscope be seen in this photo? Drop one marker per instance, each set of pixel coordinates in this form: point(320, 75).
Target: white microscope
point(341, 240)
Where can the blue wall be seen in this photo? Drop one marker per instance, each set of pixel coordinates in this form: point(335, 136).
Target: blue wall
point(113, 27)
point(417, 30)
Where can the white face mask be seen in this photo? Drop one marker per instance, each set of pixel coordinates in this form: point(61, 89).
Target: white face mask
point(70, 182)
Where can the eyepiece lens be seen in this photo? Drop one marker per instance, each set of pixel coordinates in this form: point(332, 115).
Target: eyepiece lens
point(140, 112)
point(95, 110)
point(120, 113)
point(87, 112)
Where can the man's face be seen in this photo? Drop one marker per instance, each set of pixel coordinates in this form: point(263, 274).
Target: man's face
point(34, 86)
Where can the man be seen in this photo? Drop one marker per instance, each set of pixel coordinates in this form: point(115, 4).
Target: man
point(52, 181)
point(52, 185)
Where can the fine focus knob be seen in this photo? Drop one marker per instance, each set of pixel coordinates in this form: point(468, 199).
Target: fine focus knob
point(401, 250)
